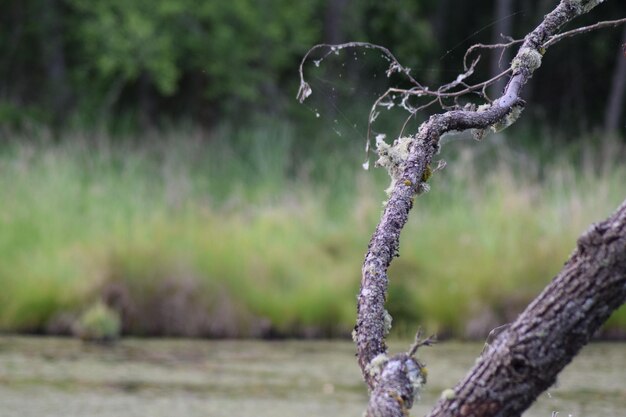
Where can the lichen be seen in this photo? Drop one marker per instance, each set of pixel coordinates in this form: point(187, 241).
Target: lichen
point(392, 157)
point(387, 321)
point(428, 172)
point(376, 365)
point(416, 373)
point(584, 6)
point(527, 60)
point(510, 118)
point(479, 134)
point(448, 394)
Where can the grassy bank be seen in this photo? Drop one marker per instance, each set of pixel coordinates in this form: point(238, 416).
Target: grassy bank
point(242, 233)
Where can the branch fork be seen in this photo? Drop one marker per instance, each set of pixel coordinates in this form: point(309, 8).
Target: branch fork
point(522, 361)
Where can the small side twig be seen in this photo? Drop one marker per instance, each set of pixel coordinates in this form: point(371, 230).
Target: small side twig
point(585, 29)
point(419, 342)
point(477, 46)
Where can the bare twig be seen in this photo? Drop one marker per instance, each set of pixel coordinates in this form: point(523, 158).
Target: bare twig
point(438, 95)
point(585, 29)
point(477, 46)
point(395, 66)
point(419, 342)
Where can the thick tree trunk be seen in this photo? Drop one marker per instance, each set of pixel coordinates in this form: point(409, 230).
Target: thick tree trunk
point(526, 359)
point(615, 104)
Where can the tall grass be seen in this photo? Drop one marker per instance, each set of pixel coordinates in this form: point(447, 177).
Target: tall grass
point(239, 234)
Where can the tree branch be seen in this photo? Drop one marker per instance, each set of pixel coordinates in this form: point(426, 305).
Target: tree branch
point(387, 383)
point(526, 358)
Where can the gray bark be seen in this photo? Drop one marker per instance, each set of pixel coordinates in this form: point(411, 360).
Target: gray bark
point(387, 381)
point(525, 360)
point(615, 104)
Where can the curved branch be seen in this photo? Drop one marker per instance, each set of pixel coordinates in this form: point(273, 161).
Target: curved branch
point(305, 89)
point(502, 46)
point(372, 318)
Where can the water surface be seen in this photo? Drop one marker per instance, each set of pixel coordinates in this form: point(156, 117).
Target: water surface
point(64, 377)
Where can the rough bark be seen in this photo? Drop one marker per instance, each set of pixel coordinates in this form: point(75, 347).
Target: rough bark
point(386, 379)
point(526, 359)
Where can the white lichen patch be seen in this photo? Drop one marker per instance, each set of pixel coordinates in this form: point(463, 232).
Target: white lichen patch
point(392, 157)
point(528, 59)
point(510, 118)
point(590, 4)
point(448, 394)
point(376, 365)
point(387, 322)
point(479, 134)
point(584, 6)
point(416, 374)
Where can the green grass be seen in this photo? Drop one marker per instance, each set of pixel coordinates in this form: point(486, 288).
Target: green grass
point(242, 233)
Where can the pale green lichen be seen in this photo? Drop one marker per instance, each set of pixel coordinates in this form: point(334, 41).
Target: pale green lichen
point(528, 59)
point(479, 134)
point(376, 365)
point(392, 157)
point(584, 6)
point(448, 394)
point(510, 118)
point(387, 321)
point(417, 377)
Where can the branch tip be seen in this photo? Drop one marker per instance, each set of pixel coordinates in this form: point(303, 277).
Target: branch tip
point(419, 342)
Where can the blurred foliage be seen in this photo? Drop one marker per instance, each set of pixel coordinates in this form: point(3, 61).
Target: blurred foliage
point(184, 236)
point(89, 62)
point(99, 324)
point(120, 39)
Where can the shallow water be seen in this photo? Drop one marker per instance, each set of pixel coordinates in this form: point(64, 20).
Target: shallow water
point(64, 377)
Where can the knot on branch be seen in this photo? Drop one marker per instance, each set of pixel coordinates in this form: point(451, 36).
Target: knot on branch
point(593, 236)
point(526, 61)
point(393, 158)
point(401, 380)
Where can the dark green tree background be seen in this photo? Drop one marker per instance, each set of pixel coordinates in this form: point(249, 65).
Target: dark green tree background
point(84, 62)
